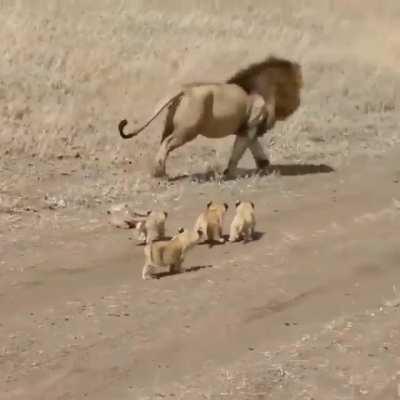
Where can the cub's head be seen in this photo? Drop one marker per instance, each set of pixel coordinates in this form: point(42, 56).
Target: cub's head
point(154, 215)
point(220, 208)
point(121, 208)
point(189, 236)
point(244, 204)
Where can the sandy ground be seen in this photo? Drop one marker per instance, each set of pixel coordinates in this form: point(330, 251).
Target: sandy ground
point(309, 310)
point(314, 300)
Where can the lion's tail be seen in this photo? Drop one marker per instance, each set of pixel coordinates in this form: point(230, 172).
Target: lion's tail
point(158, 110)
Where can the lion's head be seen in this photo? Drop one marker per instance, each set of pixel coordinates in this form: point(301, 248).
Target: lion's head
point(276, 77)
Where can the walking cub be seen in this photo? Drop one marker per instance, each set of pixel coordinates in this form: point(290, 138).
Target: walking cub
point(244, 222)
point(169, 253)
point(152, 227)
point(210, 221)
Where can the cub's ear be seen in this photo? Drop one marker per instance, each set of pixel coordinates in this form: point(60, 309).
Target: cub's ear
point(209, 204)
point(200, 232)
point(252, 204)
point(166, 214)
point(226, 206)
point(237, 203)
point(181, 230)
point(108, 212)
point(148, 212)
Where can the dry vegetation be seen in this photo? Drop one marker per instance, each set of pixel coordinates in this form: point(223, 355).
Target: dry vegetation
point(71, 70)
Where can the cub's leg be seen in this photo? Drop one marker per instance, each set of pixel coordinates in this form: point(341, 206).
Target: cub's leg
point(253, 231)
point(200, 225)
point(153, 236)
point(219, 237)
point(147, 272)
point(176, 268)
point(234, 232)
point(214, 234)
point(247, 236)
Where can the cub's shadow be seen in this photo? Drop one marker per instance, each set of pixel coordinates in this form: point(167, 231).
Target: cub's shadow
point(279, 169)
point(257, 236)
point(164, 274)
point(142, 244)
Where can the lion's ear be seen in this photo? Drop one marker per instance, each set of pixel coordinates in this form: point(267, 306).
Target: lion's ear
point(165, 214)
point(181, 230)
point(226, 206)
point(209, 204)
point(252, 204)
point(237, 203)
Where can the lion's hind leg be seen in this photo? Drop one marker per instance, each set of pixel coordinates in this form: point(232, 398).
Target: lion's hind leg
point(177, 139)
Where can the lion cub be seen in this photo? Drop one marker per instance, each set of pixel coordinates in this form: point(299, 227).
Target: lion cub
point(169, 253)
point(244, 222)
point(152, 227)
point(210, 221)
point(122, 216)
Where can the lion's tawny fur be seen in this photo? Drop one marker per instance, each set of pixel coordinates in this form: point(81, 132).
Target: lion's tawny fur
point(247, 105)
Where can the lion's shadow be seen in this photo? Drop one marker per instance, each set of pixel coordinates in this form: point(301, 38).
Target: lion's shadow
point(279, 169)
point(164, 274)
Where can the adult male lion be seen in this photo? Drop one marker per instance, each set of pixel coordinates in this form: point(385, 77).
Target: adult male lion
point(247, 105)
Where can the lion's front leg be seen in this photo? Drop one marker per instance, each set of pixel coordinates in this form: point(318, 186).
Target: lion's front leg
point(240, 145)
point(259, 155)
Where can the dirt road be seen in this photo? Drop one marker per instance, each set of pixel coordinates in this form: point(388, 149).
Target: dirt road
point(77, 321)
point(308, 311)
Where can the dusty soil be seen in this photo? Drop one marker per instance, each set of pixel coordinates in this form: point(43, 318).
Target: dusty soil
point(309, 310)
point(311, 305)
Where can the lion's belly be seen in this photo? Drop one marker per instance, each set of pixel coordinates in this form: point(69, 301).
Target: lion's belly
point(221, 127)
point(228, 115)
point(213, 111)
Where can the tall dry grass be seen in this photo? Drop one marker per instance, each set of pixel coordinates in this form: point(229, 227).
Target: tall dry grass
point(72, 69)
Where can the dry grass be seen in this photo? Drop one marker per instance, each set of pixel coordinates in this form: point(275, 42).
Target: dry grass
point(71, 70)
